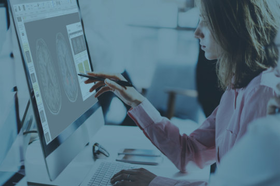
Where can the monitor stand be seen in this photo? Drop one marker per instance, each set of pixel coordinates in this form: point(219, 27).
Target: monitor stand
point(76, 171)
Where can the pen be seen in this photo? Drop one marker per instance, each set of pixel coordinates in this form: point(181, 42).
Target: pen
point(120, 82)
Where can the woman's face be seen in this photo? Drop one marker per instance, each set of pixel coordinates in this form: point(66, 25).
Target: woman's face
point(207, 41)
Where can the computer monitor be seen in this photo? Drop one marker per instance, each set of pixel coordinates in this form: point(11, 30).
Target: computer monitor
point(54, 50)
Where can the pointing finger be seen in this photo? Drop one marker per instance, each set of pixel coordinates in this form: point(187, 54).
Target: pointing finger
point(114, 85)
point(97, 85)
point(102, 90)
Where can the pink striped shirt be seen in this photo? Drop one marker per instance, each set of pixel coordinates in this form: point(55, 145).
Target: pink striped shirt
point(218, 133)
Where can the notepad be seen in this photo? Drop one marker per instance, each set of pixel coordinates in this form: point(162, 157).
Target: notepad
point(139, 152)
point(144, 160)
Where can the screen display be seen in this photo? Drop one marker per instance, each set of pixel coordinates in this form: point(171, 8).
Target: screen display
point(54, 50)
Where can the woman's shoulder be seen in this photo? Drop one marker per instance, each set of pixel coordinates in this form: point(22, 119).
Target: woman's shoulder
point(265, 81)
point(269, 79)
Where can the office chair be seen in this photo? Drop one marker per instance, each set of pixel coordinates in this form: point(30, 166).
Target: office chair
point(173, 91)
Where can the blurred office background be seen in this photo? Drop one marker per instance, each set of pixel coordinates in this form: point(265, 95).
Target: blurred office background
point(152, 43)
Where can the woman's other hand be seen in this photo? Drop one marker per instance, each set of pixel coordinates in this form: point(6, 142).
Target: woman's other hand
point(128, 95)
point(133, 177)
point(274, 102)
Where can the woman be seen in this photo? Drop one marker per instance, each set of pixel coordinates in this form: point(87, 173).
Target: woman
point(257, 165)
point(238, 34)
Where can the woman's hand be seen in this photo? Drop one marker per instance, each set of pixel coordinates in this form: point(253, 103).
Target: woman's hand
point(274, 102)
point(128, 95)
point(133, 177)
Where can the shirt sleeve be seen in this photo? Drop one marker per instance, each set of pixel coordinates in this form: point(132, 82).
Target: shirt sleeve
point(160, 181)
point(254, 160)
point(199, 147)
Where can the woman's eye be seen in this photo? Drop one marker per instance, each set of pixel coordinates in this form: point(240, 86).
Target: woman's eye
point(203, 21)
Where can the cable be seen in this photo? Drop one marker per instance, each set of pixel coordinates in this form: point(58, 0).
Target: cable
point(31, 131)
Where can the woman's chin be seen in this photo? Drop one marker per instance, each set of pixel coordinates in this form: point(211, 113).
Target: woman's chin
point(210, 57)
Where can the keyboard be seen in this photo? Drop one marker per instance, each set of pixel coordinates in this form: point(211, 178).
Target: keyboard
point(106, 171)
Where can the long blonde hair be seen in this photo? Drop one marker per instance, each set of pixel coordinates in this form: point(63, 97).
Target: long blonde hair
point(245, 30)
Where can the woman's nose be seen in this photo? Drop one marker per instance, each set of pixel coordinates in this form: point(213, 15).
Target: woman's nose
point(198, 34)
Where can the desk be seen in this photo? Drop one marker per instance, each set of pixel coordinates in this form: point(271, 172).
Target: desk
point(112, 138)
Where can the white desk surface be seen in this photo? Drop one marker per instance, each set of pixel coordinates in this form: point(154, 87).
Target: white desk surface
point(112, 138)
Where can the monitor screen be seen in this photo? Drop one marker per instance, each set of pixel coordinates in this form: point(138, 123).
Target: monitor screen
point(54, 50)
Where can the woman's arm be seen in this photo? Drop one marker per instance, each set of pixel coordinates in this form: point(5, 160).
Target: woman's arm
point(199, 147)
